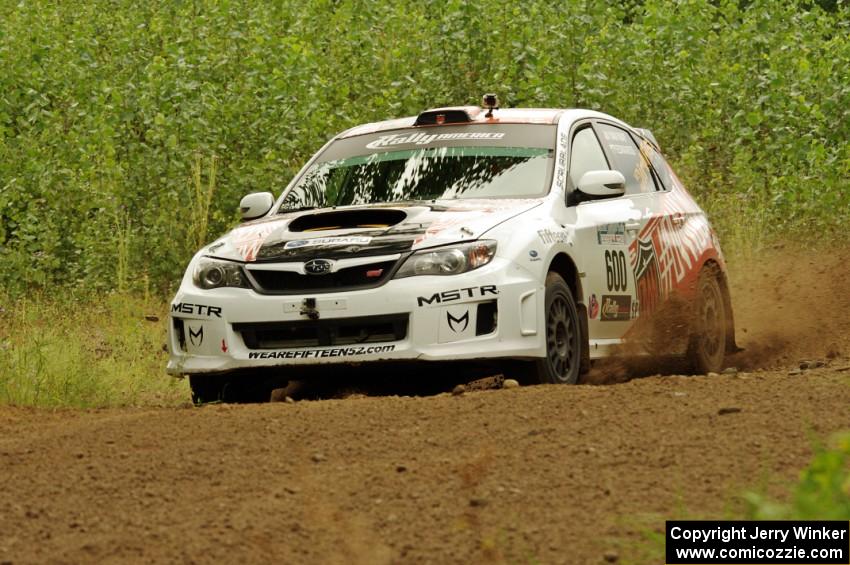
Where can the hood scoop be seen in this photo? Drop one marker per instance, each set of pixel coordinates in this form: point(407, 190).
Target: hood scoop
point(347, 219)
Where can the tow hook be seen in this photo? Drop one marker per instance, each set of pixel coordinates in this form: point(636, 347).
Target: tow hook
point(308, 308)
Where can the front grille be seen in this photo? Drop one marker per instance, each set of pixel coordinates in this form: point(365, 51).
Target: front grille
point(351, 278)
point(342, 331)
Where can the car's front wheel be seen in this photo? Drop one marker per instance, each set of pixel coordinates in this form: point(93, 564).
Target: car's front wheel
point(707, 346)
point(563, 360)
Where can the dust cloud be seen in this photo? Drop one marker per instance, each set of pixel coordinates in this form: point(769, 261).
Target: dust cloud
point(789, 306)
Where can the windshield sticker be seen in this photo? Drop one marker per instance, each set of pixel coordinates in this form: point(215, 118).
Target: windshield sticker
point(561, 172)
point(611, 234)
point(425, 139)
point(350, 240)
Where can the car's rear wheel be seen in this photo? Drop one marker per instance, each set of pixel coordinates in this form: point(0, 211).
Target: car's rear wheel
point(707, 344)
point(563, 360)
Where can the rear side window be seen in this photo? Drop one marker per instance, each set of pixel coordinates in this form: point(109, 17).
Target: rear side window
point(587, 155)
point(627, 159)
point(662, 169)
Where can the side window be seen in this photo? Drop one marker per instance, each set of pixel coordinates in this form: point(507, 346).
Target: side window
point(627, 159)
point(587, 155)
point(659, 165)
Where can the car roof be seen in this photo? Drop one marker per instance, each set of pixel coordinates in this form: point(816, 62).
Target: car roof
point(478, 116)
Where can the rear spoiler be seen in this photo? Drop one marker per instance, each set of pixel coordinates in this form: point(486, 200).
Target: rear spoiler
point(648, 135)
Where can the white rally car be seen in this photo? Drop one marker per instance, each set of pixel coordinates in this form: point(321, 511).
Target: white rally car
point(533, 239)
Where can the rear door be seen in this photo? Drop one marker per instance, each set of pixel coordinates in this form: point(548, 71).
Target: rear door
point(673, 244)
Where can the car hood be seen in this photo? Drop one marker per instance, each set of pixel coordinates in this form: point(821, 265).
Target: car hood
point(358, 231)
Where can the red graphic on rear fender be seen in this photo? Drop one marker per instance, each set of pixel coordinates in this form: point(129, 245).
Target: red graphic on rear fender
point(647, 277)
point(670, 250)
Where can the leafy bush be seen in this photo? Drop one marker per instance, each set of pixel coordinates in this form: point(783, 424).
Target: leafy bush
point(823, 492)
point(113, 112)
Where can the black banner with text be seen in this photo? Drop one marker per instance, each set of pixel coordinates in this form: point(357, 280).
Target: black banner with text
point(758, 542)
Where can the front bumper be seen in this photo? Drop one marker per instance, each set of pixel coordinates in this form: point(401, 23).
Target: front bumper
point(227, 329)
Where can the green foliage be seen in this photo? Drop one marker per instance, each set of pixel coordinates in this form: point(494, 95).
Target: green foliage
point(116, 116)
point(823, 492)
point(85, 352)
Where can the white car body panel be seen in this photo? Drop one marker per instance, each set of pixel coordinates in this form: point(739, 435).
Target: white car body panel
point(663, 229)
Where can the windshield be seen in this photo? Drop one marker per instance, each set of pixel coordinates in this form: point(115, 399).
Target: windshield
point(424, 174)
point(416, 164)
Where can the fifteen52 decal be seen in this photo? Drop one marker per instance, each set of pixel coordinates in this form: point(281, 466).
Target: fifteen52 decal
point(321, 353)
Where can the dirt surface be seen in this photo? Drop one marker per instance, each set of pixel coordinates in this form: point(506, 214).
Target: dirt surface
point(546, 474)
point(553, 474)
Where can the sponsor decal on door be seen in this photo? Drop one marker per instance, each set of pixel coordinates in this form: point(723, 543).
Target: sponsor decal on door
point(616, 308)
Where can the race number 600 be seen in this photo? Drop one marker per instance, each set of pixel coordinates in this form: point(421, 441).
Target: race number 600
point(615, 270)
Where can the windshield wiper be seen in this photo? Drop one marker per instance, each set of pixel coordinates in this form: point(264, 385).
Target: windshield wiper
point(427, 202)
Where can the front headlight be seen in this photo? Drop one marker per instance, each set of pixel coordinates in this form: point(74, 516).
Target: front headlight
point(214, 274)
point(450, 260)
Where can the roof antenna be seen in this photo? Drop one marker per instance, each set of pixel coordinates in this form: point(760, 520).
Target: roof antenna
point(491, 101)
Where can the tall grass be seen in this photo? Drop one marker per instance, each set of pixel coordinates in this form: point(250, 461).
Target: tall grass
point(202, 199)
point(92, 352)
point(108, 105)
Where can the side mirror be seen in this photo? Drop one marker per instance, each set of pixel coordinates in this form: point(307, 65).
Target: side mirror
point(602, 183)
point(256, 204)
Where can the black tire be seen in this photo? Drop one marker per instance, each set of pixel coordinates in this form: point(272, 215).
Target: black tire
point(707, 343)
point(564, 339)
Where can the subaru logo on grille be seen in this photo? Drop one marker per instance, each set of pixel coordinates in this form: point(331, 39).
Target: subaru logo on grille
point(317, 267)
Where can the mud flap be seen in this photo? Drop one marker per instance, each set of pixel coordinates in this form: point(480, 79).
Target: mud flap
point(731, 344)
point(585, 339)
